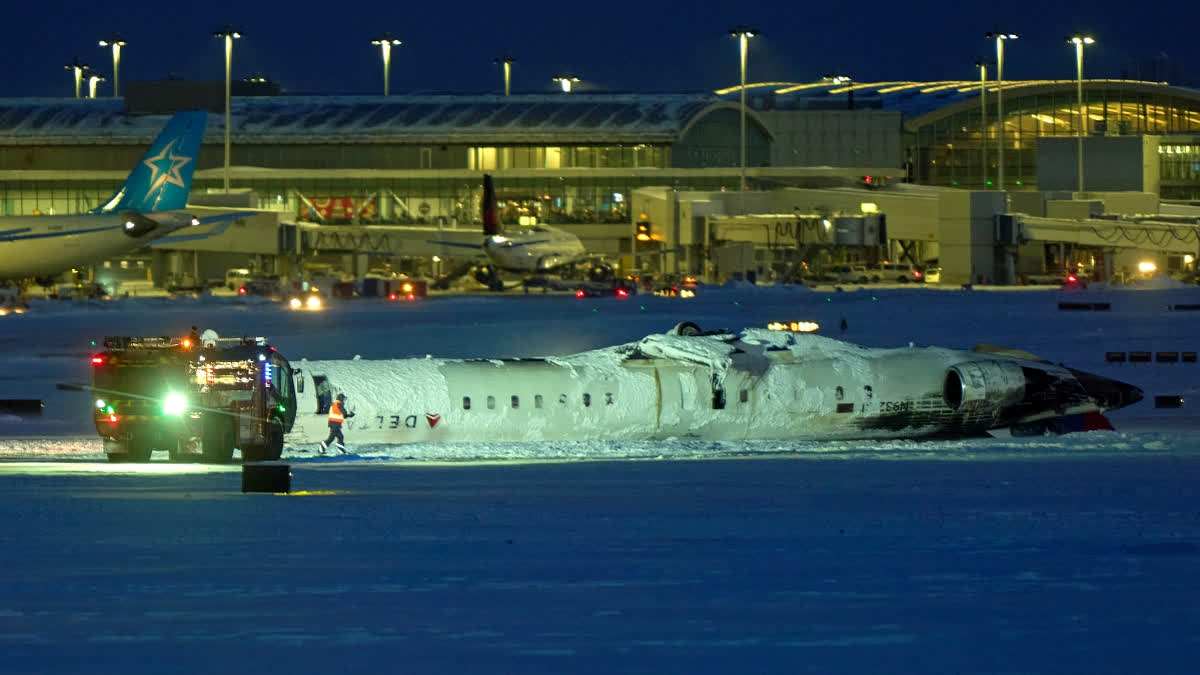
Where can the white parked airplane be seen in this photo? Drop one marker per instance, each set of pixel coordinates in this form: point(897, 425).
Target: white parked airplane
point(148, 206)
point(758, 384)
point(536, 249)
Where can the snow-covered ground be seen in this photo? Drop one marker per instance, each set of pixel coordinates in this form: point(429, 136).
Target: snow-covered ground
point(1076, 553)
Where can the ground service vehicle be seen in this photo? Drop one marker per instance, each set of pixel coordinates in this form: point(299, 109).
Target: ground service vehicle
point(198, 402)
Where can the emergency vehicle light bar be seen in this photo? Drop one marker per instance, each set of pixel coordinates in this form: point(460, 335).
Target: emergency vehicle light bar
point(135, 342)
point(244, 340)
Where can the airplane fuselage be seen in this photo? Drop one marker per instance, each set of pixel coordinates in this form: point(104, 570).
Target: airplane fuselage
point(815, 389)
point(38, 246)
point(537, 249)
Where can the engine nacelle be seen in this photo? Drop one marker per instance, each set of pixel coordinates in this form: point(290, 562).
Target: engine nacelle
point(137, 225)
point(983, 384)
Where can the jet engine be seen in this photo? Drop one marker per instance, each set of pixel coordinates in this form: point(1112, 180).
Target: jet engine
point(983, 384)
point(136, 224)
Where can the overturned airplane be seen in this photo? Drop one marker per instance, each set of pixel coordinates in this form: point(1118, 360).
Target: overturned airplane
point(757, 384)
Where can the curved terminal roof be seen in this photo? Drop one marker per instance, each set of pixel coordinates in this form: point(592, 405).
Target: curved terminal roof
point(916, 99)
point(534, 118)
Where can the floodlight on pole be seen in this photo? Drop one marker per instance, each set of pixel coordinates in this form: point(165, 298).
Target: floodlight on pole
point(1000, 38)
point(1079, 41)
point(228, 34)
point(116, 42)
point(79, 68)
point(565, 81)
point(507, 60)
point(386, 41)
point(93, 78)
point(743, 33)
point(982, 65)
point(839, 78)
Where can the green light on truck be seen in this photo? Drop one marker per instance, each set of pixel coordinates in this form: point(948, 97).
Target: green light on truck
point(175, 404)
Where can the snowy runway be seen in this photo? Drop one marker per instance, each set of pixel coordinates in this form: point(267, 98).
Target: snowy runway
point(770, 564)
point(1075, 553)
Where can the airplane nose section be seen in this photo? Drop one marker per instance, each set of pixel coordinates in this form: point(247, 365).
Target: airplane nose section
point(1109, 394)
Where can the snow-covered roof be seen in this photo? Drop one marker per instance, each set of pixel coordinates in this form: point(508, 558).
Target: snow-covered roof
point(362, 119)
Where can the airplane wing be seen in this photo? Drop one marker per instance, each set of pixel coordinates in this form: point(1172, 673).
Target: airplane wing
point(532, 242)
point(458, 244)
point(985, 348)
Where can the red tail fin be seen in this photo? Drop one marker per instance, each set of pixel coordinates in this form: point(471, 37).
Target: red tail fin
point(491, 213)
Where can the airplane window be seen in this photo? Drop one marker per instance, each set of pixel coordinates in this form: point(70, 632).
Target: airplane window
point(516, 401)
point(608, 399)
point(537, 401)
point(839, 394)
point(491, 402)
point(466, 403)
point(743, 396)
point(587, 400)
point(562, 398)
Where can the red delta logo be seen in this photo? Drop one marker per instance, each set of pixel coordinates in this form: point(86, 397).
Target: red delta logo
point(432, 419)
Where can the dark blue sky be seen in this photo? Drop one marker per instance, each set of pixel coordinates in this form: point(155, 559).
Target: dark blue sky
point(449, 45)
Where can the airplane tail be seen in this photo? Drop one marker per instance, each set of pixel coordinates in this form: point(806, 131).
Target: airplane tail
point(491, 212)
point(162, 180)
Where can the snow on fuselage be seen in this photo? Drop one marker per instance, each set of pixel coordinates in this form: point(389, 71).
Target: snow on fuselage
point(759, 384)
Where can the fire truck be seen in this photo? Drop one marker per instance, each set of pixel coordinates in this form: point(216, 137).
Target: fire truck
point(197, 400)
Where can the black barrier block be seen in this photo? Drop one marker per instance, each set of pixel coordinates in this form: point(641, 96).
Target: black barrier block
point(1187, 357)
point(1168, 401)
point(1166, 357)
point(1102, 306)
point(1139, 357)
point(1185, 308)
point(1114, 357)
point(1075, 306)
point(275, 478)
point(67, 386)
point(21, 406)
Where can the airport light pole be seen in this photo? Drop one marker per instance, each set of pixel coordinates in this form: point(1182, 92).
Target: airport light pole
point(93, 78)
point(507, 60)
point(982, 65)
point(1079, 41)
point(743, 33)
point(1000, 38)
point(79, 67)
point(565, 81)
point(228, 34)
point(385, 42)
point(116, 42)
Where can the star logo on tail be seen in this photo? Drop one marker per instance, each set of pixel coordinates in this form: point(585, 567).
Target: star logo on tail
point(164, 168)
point(432, 419)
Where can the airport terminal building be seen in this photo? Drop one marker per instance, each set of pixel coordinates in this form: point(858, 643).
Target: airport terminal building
point(372, 177)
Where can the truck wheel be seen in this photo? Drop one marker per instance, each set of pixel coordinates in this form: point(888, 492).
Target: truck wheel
point(271, 448)
point(217, 440)
point(274, 446)
point(139, 449)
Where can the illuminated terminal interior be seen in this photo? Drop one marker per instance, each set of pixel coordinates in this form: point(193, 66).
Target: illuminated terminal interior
point(950, 138)
point(577, 159)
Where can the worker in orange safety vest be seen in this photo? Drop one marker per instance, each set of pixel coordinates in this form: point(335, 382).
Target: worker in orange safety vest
point(337, 415)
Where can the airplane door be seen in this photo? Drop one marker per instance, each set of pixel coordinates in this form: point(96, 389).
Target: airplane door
point(287, 389)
